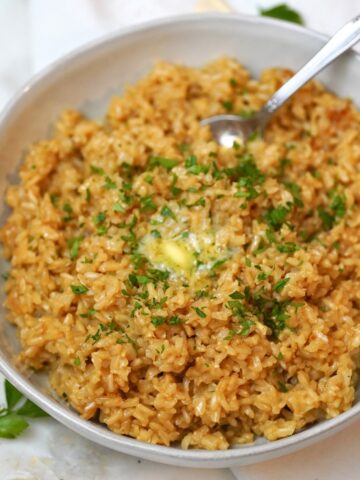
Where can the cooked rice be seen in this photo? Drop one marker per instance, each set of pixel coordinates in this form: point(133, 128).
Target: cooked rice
point(254, 329)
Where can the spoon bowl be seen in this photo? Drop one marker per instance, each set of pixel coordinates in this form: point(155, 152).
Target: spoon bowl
point(227, 129)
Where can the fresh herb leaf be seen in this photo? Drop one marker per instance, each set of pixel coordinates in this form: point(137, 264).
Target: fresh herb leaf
point(97, 170)
point(228, 105)
point(77, 362)
point(174, 320)
point(74, 244)
point(30, 409)
point(12, 425)
point(155, 233)
point(79, 289)
point(167, 212)
point(192, 166)
point(147, 204)
point(199, 312)
point(236, 295)
point(157, 321)
point(12, 395)
point(99, 218)
point(282, 387)
point(67, 207)
point(109, 184)
point(288, 247)
point(338, 205)
point(278, 287)
point(118, 208)
point(137, 280)
point(246, 113)
point(328, 220)
point(54, 199)
point(283, 12)
point(276, 216)
point(295, 190)
point(166, 163)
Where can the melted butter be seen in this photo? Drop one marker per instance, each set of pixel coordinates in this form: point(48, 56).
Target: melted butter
point(187, 254)
point(174, 254)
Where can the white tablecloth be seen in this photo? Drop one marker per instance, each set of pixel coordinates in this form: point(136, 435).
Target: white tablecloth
point(32, 34)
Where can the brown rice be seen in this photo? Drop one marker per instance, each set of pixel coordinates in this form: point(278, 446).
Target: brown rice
point(183, 292)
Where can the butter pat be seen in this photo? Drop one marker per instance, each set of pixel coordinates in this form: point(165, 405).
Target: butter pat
point(174, 254)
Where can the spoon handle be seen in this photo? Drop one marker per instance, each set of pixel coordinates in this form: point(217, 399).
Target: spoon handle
point(344, 39)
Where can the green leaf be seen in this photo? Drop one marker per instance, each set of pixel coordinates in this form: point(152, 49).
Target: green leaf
point(288, 247)
point(12, 425)
point(74, 244)
point(199, 312)
point(280, 284)
point(166, 163)
point(30, 409)
point(97, 170)
point(79, 289)
point(157, 321)
point(283, 12)
point(109, 184)
point(12, 395)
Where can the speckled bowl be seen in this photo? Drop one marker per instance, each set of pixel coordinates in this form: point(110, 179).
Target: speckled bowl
point(85, 80)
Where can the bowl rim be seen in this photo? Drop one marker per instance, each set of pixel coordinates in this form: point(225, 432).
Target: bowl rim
point(101, 434)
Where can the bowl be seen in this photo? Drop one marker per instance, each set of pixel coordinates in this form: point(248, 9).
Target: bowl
point(86, 79)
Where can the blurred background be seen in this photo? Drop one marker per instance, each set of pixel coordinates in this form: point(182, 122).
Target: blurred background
point(34, 33)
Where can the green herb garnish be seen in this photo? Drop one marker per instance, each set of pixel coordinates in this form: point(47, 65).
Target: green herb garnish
point(288, 247)
point(79, 289)
point(12, 421)
point(109, 184)
point(97, 170)
point(278, 287)
point(283, 12)
point(166, 163)
point(199, 312)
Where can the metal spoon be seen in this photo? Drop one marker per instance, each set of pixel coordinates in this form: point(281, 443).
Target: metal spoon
point(226, 129)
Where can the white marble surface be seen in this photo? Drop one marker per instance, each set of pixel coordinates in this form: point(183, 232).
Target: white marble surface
point(32, 34)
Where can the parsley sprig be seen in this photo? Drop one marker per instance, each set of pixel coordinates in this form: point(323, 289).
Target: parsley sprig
point(13, 417)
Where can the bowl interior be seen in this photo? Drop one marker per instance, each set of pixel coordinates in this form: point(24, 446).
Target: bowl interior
point(86, 80)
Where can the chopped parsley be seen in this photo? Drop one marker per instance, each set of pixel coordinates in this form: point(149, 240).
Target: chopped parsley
point(147, 204)
point(99, 218)
point(199, 312)
point(88, 195)
point(276, 216)
point(278, 287)
point(228, 105)
point(166, 163)
point(157, 321)
point(155, 233)
point(118, 208)
point(288, 247)
point(282, 387)
point(97, 170)
point(167, 212)
point(77, 361)
point(109, 184)
point(295, 190)
point(74, 245)
point(54, 199)
point(137, 280)
point(193, 167)
point(236, 295)
point(79, 289)
point(174, 320)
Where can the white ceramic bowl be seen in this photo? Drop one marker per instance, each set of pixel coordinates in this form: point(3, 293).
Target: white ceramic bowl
point(85, 80)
